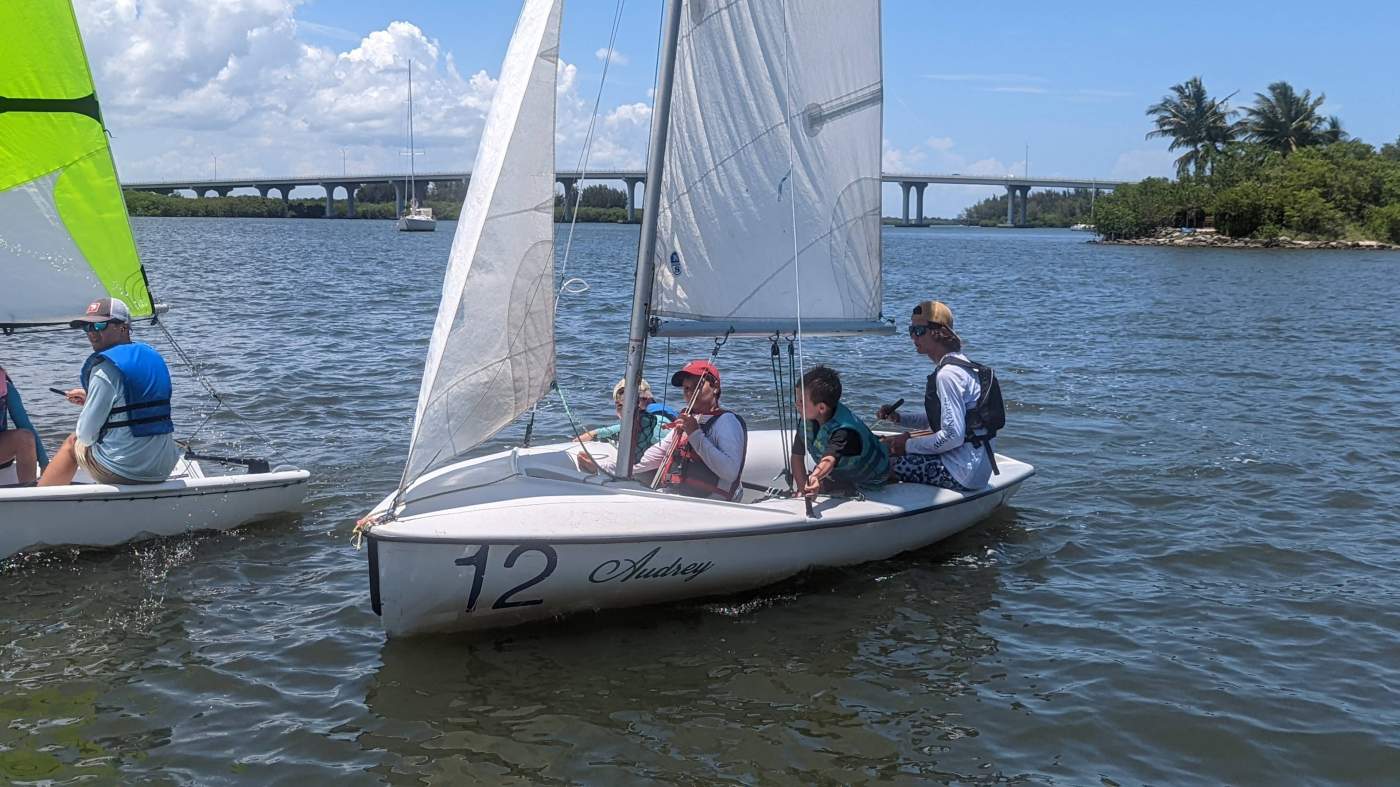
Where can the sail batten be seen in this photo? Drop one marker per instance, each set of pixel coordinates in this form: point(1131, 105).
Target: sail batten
point(491, 355)
point(65, 238)
point(773, 165)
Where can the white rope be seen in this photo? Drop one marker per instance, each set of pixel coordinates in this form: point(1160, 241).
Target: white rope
point(796, 273)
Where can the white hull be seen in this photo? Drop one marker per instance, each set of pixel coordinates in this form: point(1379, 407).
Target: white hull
point(416, 224)
point(518, 536)
point(101, 515)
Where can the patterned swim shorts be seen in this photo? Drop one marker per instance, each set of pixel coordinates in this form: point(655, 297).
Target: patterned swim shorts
point(924, 469)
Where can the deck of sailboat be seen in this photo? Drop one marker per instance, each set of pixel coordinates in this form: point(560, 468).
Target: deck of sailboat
point(537, 494)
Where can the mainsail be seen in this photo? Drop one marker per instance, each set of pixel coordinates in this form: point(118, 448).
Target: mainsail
point(777, 108)
point(64, 235)
point(491, 356)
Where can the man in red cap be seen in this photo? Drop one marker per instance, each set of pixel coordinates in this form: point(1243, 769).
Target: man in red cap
point(703, 456)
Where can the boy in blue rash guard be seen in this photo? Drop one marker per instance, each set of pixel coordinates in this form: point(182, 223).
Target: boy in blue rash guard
point(19, 445)
point(847, 454)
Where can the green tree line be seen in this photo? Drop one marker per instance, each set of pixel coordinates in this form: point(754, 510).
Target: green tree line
point(1277, 167)
point(598, 203)
point(1043, 209)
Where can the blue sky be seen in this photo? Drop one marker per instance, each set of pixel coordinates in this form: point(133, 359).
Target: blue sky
point(967, 86)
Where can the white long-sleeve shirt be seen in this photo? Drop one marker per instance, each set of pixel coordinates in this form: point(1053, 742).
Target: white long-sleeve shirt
point(722, 450)
point(958, 391)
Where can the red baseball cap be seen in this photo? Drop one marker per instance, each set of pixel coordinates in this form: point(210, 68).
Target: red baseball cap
point(696, 369)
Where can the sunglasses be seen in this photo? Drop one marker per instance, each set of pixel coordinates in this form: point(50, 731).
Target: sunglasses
point(96, 327)
point(918, 330)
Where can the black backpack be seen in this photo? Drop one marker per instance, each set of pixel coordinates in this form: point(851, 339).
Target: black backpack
point(988, 416)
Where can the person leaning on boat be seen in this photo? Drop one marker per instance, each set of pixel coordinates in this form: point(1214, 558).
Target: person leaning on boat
point(948, 457)
point(652, 417)
point(124, 435)
point(21, 445)
point(703, 456)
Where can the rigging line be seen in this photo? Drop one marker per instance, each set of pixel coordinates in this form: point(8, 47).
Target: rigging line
point(775, 364)
point(578, 193)
point(796, 266)
point(209, 387)
point(588, 149)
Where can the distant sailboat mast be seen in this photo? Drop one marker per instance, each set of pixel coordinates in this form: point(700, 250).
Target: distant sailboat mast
point(412, 150)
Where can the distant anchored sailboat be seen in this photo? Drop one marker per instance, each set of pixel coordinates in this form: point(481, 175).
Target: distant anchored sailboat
point(415, 218)
point(765, 149)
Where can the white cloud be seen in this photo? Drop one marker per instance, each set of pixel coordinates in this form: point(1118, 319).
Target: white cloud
point(239, 79)
point(615, 56)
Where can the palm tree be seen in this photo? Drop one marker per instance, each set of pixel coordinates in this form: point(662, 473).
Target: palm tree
point(1286, 120)
point(1332, 131)
point(1195, 122)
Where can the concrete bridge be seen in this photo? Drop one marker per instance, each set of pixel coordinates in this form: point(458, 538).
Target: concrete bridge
point(1017, 189)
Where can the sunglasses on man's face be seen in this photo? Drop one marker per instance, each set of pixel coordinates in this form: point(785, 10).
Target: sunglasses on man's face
point(918, 330)
point(95, 327)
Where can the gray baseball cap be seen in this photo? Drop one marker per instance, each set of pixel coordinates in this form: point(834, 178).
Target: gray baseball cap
point(103, 310)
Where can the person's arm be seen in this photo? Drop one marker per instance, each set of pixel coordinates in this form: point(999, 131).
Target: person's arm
point(843, 442)
point(798, 458)
point(951, 423)
point(916, 419)
point(657, 454)
point(21, 419)
point(605, 433)
point(101, 392)
point(723, 449)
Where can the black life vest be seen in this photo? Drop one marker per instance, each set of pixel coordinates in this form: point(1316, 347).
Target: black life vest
point(984, 419)
point(688, 474)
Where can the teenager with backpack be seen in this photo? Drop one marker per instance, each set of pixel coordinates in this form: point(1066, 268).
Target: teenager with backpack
point(962, 409)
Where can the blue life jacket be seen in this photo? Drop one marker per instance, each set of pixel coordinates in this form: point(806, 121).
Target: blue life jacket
point(871, 467)
point(145, 384)
point(657, 408)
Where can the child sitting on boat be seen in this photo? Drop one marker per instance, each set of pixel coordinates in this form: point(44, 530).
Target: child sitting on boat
point(653, 416)
point(847, 455)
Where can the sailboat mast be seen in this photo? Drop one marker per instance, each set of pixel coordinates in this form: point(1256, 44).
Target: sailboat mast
point(412, 151)
point(646, 248)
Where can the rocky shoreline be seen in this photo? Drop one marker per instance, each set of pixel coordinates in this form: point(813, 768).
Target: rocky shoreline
point(1211, 239)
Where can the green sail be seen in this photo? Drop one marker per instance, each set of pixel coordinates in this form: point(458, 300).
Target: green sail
point(65, 238)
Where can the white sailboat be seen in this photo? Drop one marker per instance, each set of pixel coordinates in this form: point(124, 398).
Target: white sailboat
point(415, 218)
point(65, 241)
point(766, 150)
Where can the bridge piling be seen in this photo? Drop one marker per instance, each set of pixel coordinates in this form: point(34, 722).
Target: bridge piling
point(919, 201)
point(570, 196)
point(631, 184)
point(904, 217)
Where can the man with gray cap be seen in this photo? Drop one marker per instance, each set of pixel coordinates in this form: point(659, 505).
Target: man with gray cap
point(124, 435)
